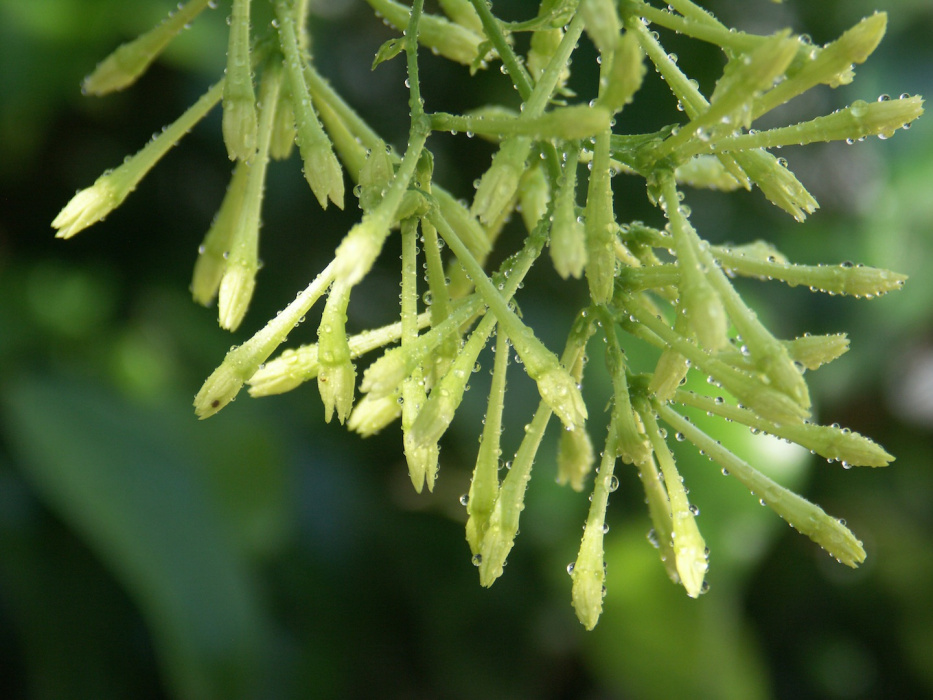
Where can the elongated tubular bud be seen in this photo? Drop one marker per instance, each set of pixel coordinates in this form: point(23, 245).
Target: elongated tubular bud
point(807, 518)
point(619, 83)
point(854, 123)
point(93, 203)
point(499, 185)
point(240, 126)
point(600, 226)
point(297, 365)
point(453, 41)
point(750, 390)
point(129, 61)
point(421, 458)
point(829, 441)
point(370, 415)
point(239, 278)
point(211, 263)
point(321, 167)
point(503, 523)
point(387, 372)
point(688, 545)
point(588, 572)
point(853, 46)
point(555, 385)
point(701, 302)
point(484, 487)
point(242, 361)
point(629, 440)
point(336, 378)
point(567, 243)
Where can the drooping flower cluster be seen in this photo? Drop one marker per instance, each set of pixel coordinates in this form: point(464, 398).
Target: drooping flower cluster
point(664, 286)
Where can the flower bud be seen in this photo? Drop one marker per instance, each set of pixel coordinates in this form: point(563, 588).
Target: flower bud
point(211, 262)
point(236, 291)
point(463, 13)
point(831, 64)
point(484, 487)
point(89, 206)
point(453, 41)
point(814, 351)
point(502, 529)
point(370, 415)
point(560, 392)
point(499, 184)
point(534, 195)
point(240, 124)
point(92, 204)
point(575, 457)
point(321, 167)
point(588, 571)
point(336, 378)
point(130, 60)
point(600, 227)
point(807, 518)
point(688, 545)
point(777, 183)
point(568, 236)
point(624, 77)
point(602, 23)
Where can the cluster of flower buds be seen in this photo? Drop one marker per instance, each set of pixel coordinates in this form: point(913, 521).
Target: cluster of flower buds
point(663, 286)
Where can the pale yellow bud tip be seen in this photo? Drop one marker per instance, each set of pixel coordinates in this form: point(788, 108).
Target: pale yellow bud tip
point(87, 207)
point(236, 290)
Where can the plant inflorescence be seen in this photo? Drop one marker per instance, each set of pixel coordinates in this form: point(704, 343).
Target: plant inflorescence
point(556, 160)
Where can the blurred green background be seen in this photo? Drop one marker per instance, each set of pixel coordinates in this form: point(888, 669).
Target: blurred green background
point(264, 554)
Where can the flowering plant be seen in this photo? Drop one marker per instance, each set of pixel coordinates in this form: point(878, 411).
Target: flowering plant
point(662, 285)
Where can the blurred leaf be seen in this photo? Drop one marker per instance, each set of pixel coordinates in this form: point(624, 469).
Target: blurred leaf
point(117, 478)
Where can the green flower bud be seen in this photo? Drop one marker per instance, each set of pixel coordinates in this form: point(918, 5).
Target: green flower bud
point(777, 183)
point(371, 415)
point(575, 457)
point(831, 65)
point(600, 226)
point(239, 278)
point(534, 195)
point(92, 204)
point(568, 236)
point(854, 123)
point(498, 185)
point(589, 570)
point(807, 518)
point(623, 79)
point(814, 351)
point(502, 528)
point(130, 60)
point(484, 487)
point(830, 441)
point(602, 23)
point(211, 263)
point(463, 13)
point(453, 41)
point(236, 291)
point(336, 378)
point(240, 125)
point(688, 545)
point(321, 167)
